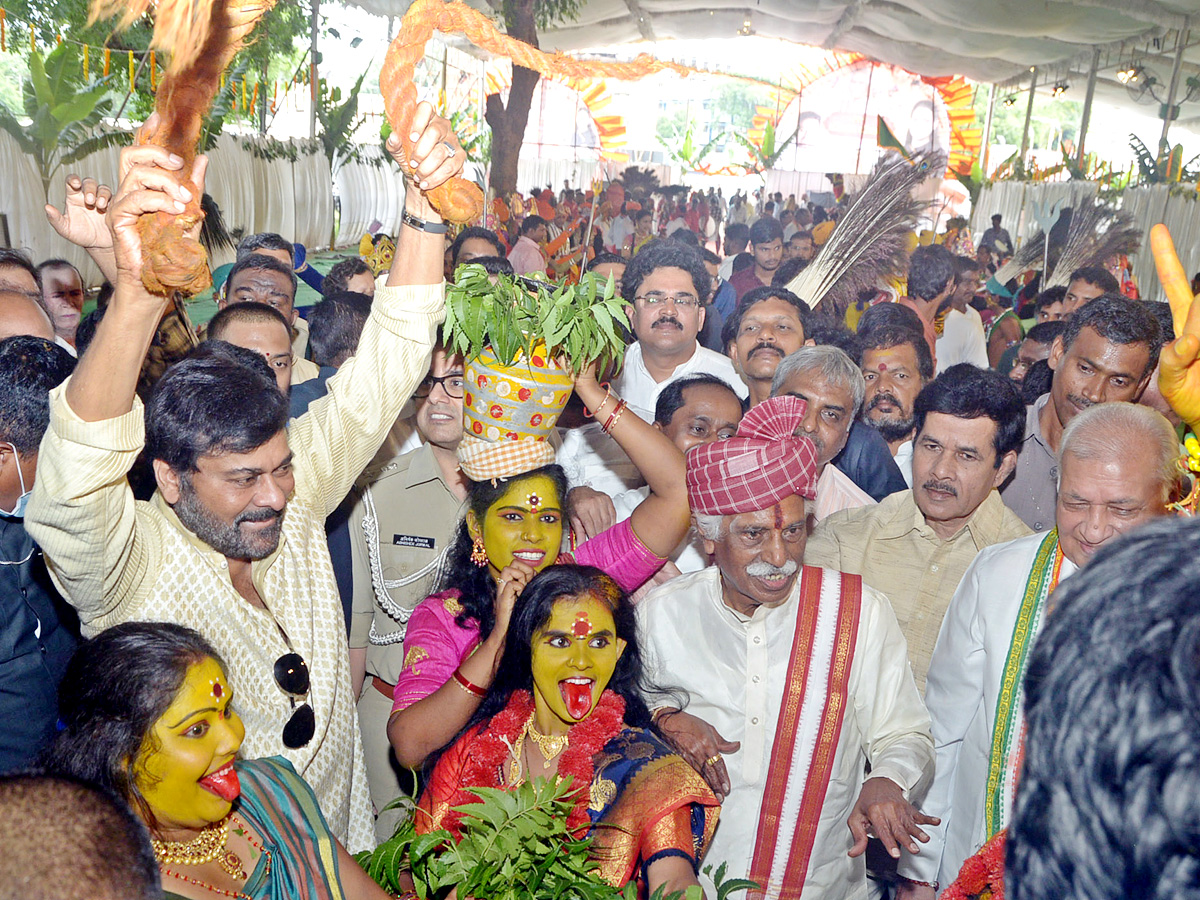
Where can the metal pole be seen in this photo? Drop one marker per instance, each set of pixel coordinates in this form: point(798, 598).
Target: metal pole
point(1181, 39)
point(1087, 106)
point(1028, 114)
point(312, 72)
point(987, 128)
point(862, 132)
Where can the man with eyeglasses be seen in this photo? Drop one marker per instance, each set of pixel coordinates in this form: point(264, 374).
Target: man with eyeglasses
point(232, 543)
point(401, 524)
point(666, 287)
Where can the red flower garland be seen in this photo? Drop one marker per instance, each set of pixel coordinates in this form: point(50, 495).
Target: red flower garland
point(490, 748)
point(982, 875)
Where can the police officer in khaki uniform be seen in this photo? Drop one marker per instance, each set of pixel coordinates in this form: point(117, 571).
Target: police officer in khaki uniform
point(400, 529)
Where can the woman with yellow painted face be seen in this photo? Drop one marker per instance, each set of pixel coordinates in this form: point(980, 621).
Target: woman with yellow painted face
point(513, 529)
point(149, 714)
point(567, 701)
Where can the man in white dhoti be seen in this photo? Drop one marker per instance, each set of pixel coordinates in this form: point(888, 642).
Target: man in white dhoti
point(804, 670)
point(1116, 470)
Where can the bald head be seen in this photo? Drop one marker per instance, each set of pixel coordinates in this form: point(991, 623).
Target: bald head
point(21, 314)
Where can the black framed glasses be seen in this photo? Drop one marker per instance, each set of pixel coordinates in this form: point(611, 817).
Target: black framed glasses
point(452, 384)
point(291, 674)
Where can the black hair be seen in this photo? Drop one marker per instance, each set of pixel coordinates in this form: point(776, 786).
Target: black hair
point(1046, 332)
point(833, 332)
point(641, 214)
point(889, 315)
point(1118, 320)
point(259, 262)
point(493, 265)
point(475, 231)
point(611, 258)
point(765, 230)
point(219, 399)
point(335, 325)
point(996, 218)
point(930, 271)
point(338, 279)
point(116, 686)
point(671, 399)
point(249, 311)
point(1161, 310)
point(10, 258)
point(733, 324)
point(1107, 805)
point(787, 270)
point(884, 337)
point(1037, 381)
point(685, 236)
point(709, 257)
point(56, 263)
point(1097, 276)
point(801, 233)
point(530, 614)
point(737, 231)
point(969, 392)
point(663, 254)
point(965, 264)
point(532, 222)
point(29, 368)
point(743, 260)
point(1049, 297)
point(68, 839)
point(253, 244)
point(477, 590)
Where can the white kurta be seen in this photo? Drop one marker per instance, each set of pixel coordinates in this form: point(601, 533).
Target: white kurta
point(734, 669)
point(961, 691)
point(689, 556)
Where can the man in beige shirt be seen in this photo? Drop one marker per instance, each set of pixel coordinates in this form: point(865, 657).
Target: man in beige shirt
point(916, 545)
point(232, 544)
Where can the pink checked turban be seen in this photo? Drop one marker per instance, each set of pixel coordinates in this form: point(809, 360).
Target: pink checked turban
point(766, 462)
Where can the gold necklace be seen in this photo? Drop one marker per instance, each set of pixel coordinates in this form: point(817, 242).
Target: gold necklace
point(211, 843)
point(550, 744)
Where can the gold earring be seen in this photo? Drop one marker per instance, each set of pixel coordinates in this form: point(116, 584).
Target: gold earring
point(478, 553)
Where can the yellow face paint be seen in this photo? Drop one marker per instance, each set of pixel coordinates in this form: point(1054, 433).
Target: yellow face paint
point(574, 656)
point(185, 767)
point(525, 523)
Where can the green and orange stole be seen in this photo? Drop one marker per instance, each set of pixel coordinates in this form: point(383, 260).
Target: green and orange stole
point(1008, 728)
point(807, 731)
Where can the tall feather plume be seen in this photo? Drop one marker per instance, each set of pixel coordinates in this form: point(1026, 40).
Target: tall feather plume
point(1097, 233)
point(1028, 256)
point(872, 236)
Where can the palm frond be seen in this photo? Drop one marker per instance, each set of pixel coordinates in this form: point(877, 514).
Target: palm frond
point(1097, 233)
point(871, 237)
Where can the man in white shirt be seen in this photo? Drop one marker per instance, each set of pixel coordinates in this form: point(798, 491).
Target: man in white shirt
point(962, 339)
point(832, 385)
point(796, 678)
point(1116, 469)
point(666, 287)
point(737, 239)
point(896, 364)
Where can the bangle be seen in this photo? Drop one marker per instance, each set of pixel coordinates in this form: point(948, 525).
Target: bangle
point(421, 225)
point(928, 884)
point(616, 414)
point(591, 414)
point(473, 689)
point(660, 713)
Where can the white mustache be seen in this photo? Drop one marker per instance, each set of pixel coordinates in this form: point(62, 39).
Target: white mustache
point(762, 569)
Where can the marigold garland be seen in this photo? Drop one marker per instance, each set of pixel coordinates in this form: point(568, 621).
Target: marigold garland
point(982, 875)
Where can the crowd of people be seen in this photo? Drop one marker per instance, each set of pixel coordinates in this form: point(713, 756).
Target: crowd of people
point(778, 604)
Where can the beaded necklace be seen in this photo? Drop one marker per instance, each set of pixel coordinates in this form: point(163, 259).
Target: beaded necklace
point(239, 873)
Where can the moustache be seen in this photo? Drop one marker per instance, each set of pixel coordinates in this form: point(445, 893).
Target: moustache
point(1081, 402)
point(768, 347)
point(667, 320)
point(259, 515)
point(881, 398)
point(941, 487)
point(762, 569)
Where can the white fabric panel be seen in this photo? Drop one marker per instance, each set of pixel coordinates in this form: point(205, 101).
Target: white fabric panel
point(368, 193)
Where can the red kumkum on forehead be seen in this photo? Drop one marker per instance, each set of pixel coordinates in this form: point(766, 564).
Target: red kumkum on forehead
point(583, 625)
point(882, 367)
point(778, 517)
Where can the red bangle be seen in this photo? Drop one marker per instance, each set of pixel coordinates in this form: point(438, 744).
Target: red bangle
point(616, 414)
point(466, 685)
point(589, 414)
point(928, 884)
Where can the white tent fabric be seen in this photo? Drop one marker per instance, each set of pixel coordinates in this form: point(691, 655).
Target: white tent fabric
point(254, 194)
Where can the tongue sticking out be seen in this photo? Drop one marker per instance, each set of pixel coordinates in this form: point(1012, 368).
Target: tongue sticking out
point(578, 698)
point(223, 782)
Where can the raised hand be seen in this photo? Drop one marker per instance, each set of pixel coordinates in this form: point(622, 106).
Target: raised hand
point(82, 218)
point(1179, 372)
point(436, 154)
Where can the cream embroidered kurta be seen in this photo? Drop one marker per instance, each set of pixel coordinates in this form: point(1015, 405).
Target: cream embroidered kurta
point(118, 560)
point(733, 670)
point(962, 690)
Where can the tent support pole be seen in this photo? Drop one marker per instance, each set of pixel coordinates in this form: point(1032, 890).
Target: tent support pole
point(987, 128)
point(1181, 39)
point(1087, 107)
point(1028, 114)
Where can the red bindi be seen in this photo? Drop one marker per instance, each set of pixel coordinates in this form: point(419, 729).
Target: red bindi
point(883, 367)
point(582, 626)
point(217, 690)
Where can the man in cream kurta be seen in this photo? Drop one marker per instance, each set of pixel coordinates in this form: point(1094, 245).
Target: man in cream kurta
point(1117, 465)
point(727, 637)
point(117, 559)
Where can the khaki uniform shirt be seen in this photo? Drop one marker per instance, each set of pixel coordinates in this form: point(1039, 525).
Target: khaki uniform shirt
point(896, 552)
point(402, 523)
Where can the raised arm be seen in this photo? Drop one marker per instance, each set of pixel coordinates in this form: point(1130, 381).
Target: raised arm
point(661, 520)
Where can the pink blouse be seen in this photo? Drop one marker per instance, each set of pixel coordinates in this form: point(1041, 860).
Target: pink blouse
point(435, 645)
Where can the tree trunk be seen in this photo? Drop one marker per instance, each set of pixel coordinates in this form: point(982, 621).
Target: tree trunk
point(508, 122)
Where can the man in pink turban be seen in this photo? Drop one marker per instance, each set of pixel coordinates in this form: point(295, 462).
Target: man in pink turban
point(797, 678)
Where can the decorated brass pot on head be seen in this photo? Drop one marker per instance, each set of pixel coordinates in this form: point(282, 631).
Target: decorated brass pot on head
point(524, 341)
